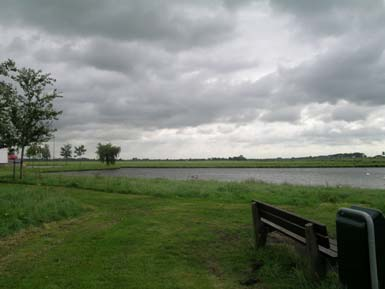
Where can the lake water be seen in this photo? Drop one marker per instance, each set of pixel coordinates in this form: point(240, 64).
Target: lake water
point(355, 177)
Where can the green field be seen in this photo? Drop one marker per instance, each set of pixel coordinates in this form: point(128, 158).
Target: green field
point(137, 233)
point(278, 163)
point(37, 167)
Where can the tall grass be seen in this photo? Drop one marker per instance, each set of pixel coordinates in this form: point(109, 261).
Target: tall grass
point(296, 195)
point(317, 202)
point(22, 206)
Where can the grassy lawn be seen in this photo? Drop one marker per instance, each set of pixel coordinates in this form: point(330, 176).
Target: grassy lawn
point(100, 232)
point(130, 240)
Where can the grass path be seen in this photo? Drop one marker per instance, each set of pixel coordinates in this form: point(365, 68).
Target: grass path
point(134, 241)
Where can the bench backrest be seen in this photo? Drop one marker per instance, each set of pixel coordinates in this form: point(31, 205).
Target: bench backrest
point(291, 224)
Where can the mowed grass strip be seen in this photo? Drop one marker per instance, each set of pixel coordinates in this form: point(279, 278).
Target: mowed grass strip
point(24, 206)
point(136, 241)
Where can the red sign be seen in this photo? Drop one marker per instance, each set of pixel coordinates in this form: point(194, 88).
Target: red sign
point(12, 157)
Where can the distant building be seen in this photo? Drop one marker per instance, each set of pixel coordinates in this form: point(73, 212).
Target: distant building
point(3, 156)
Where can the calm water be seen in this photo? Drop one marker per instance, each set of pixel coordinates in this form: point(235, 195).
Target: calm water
point(355, 177)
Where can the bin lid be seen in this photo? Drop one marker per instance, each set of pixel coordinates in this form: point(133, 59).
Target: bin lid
point(371, 212)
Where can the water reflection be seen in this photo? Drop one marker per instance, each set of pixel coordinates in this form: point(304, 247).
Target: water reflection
point(355, 177)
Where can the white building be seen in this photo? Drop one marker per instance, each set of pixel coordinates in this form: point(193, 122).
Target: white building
point(3, 156)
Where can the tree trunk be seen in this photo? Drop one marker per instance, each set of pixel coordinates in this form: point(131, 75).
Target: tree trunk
point(14, 169)
point(21, 162)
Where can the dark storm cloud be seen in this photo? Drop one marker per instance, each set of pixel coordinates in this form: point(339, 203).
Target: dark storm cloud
point(103, 54)
point(166, 104)
point(354, 74)
point(173, 23)
point(353, 71)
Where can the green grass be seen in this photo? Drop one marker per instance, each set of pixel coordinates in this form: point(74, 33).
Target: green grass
point(150, 240)
point(37, 167)
point(5, 170)
point(23, 207)
point(279, 163)
point(158, 233)
point(316, 202)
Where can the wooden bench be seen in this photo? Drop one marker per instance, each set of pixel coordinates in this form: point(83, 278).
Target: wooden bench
point(313, 235)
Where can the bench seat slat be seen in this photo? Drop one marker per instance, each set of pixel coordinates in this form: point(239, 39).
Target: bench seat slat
point(325, 251)
point(319, 228)
point(328, 252)
point(284, 231)
point(333, 246)
point(295, 228)
point(333, 242)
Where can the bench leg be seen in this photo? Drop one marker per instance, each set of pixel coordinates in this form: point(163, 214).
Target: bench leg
point(317, 264)
point(260, 229)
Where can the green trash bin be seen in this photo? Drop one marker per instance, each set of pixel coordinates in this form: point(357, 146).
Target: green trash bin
point(361, 248)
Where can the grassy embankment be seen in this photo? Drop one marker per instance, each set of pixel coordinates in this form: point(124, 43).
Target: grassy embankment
point(141, 233)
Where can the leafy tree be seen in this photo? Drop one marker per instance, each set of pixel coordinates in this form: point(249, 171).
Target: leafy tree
point(107, 153)
point(66, 151)
point(34, 151)
point(80, 150)
point(7, 93)
point(4, 121)
point(38, 152)
point(27, 105)
point(45, 152)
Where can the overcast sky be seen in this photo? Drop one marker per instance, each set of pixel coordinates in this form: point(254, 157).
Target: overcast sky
point(180, 79)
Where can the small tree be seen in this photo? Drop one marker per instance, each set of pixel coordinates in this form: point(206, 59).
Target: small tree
point(45, 152)
point(80, 150)
point(107, 153)
point(66, 151)
point(28, 107)
point(33, 151)
point(7, 93)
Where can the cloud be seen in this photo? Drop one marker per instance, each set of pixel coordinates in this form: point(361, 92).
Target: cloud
point(350, 72)
point(208, 78)
point(331, 18)
point(173, 23)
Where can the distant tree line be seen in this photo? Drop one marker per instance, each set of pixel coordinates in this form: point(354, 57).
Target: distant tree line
point(66, 151)
point(106, 153)
point(357, 155)
point(235, 158)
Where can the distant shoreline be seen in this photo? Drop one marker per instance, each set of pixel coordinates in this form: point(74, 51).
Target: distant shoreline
point(74, 165)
